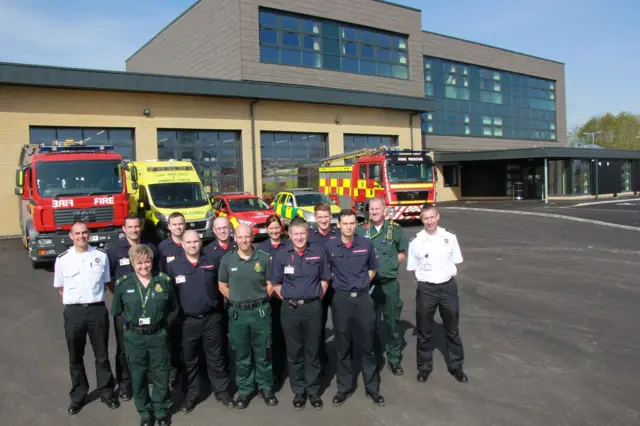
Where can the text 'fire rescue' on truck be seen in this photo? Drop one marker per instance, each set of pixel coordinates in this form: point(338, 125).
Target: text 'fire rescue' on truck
point(404, 178)
point(63, 183)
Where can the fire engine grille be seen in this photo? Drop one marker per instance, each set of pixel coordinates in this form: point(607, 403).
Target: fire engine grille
point(97, 214)
point(412, 195)
point(196, 226)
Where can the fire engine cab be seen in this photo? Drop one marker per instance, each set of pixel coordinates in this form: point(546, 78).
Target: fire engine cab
point(404, 178)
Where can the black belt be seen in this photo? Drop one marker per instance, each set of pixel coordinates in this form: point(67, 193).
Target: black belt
point(86, 304)
point(146, 330)
point(430, 283)
point(300, 301)
point(354, 293)
point(200, 316)
point(246, 306)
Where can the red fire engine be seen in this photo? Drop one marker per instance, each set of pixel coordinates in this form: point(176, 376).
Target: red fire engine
point(404, 178)
point(61, 184)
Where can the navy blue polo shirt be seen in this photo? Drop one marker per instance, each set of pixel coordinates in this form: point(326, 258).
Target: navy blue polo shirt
point(169, 251)
point(119, 263)
point(214, 250)
point(269, 248)
point(351, 265)
point(300, 275)
point(317, 237)
point(197, 285)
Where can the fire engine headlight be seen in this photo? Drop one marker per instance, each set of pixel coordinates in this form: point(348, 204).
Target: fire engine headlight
point(45, 242)
point(245, 222)
point(162, 217)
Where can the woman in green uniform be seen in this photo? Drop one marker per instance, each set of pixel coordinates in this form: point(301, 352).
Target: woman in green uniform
point(148, 305)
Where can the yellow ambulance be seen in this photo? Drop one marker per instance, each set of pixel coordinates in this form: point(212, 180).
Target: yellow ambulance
point(158, 188)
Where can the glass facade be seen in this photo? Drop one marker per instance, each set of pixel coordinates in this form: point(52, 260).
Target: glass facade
point(121, 139)
point(290, 160)
point(290, 39)
point(476, 101)
point(216, 155)
point(356, 142)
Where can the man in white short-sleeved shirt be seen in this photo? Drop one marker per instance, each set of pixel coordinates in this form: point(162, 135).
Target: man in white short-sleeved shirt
point(81, 274)
point(433, 256)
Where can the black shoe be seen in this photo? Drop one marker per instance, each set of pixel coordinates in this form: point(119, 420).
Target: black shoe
point(110, 401)
point(376, 398)
point(225, 399)
point(75, 407)
point(242, 402)
point(423, 377)
point(339, 398)
point(125, 394)
point(299, 401)
point(187, 407)
point(396, 369)
point(459, 375)
point(316, 402)
point(146, 421)
point(269, 398)
point(164, 421)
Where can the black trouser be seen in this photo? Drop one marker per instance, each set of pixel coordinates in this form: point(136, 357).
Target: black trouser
point(175, 348)
point(301, 326)
point(326, 304)
point(278, 347)
point(80, 321)
point(225, 332)
point(444, 297)
point(204, 334)
point(123, 375)
point(354, 321)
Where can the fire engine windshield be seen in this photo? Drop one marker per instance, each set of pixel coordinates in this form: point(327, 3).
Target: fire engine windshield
point(178, 194)
point(247, 204)
point(411, 172)
point(78, 178)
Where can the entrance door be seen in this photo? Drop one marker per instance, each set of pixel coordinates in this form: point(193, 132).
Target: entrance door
point(532, 177)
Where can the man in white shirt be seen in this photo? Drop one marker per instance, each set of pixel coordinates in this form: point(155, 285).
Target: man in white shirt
point(433, 256)
point(81, 274)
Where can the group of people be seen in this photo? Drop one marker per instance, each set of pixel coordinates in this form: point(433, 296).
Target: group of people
point(180, 305)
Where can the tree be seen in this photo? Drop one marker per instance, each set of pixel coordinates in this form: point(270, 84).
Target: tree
point(575, 141)
point(612, 131)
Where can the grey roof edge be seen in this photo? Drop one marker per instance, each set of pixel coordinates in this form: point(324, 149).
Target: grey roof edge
point(120, 81)
point(415, 9)
point(162, 30)
point(494, 47)
point(544, 152)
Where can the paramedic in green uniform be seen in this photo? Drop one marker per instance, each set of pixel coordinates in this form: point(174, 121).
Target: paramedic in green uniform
point(243, 280)
point(148, 306)
point(391, 244)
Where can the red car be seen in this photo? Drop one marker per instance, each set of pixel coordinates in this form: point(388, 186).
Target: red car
point(242, 207)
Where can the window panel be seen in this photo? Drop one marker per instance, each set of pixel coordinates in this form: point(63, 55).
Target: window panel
point(269, 54)
point(291, 57)
point(384, 70)
point(367, 51)
point(330, 46)
point(350, 49)
point(290, 23)
point(383, 54)
point(311, 43)
point(290, 40)
point(349, 65)
point(268, 36)
point(268, 19)
point(368, 67)
point(399, 71)
point(331, 62)
point(310, 59)
point(309, 26)
point(349, 33)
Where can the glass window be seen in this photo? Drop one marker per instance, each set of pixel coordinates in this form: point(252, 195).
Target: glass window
point(349, 65)
point(367, 67)
point(291, 57)
point(309, 26)
point(268, 19)
point(290, 39)
point(311, 43)
point(331, 62)
point(268, 36)
point(400, 71)
point(450, 174)
point(290, 23)
point(331, 46)
point(122, 140)
point(269, 54)
point(349, 33)
point(313, 60)
point(367, 51)
point(350, 49)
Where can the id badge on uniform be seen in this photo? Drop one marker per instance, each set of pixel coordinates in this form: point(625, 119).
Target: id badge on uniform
point(180, 279)
point(125, 261)
point(288, 270)
point(144, 321)
point(170, 259)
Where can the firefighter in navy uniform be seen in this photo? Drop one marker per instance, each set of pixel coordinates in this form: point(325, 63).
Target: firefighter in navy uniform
point(120, 265)
point(171, 248)
point(146, 301)
point(353, 261)
point(391, 245)
point(433, 255)
point(300, 276)
point(195, 277)
point(272, 246)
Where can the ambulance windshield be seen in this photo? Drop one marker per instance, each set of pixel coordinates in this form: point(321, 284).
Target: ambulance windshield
point(78, 178)
point(178, 194)
point(409, 172)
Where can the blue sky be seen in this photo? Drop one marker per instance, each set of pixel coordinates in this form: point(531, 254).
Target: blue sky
point(598, 41)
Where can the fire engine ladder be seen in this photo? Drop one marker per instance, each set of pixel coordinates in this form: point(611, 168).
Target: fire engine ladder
point(356, 154)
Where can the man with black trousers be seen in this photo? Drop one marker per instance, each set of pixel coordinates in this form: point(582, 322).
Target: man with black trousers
point(300, 276)
point(195, 277)
point(81, 274)
point(354, 261)
point(120, 265)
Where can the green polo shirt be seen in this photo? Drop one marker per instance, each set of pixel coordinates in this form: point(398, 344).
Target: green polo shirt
point(161, 305)
point(389, 241)
point(247, 279)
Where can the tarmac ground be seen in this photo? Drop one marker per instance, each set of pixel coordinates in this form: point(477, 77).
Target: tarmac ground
point(549, 322)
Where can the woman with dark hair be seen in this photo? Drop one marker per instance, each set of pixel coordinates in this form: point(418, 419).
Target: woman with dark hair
point(272, 245)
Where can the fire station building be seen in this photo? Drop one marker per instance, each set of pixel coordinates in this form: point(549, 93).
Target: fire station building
point(254, 92)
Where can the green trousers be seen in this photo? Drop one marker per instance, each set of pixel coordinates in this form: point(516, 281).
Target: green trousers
point(149, 354)
point(386, 296)
point(250, 337)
